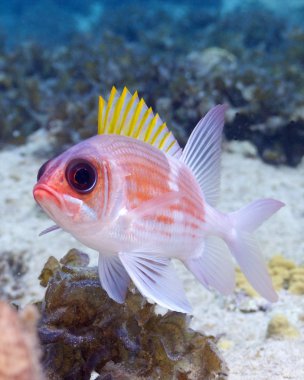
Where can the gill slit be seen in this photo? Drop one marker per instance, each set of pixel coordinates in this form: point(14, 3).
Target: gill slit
point(105, 191)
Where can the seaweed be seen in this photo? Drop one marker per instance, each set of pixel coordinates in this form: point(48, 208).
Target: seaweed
point(82, 330)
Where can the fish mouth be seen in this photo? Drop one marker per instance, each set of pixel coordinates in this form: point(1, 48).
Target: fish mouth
point(44, 192)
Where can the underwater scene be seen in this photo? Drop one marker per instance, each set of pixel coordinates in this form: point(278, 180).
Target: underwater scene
point(143, 145)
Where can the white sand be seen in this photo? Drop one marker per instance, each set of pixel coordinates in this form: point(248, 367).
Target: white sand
point(244, 179)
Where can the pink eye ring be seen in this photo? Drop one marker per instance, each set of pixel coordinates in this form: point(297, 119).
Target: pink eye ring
point(81, 176)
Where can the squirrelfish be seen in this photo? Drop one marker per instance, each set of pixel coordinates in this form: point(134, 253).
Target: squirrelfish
point(132, 194)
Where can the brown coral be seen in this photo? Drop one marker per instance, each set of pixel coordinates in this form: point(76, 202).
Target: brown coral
point(82, 330)
point(18, 344)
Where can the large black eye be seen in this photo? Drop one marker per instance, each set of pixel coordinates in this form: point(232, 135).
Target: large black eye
point(81, 175)
point(42, 170)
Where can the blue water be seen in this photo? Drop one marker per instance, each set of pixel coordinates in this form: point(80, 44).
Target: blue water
point(50, 22)
point(54, 52)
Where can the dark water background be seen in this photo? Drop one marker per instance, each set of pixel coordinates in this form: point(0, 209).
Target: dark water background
point(182, 56)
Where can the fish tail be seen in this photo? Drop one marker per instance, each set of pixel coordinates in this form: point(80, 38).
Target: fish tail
point(244, 247)
point(213, 266)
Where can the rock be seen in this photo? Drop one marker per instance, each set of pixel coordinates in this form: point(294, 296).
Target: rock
point(82, 330)
point(225, 344)
point(245, 148)
point(19, 352)
point(213, 58)
point(13, 267)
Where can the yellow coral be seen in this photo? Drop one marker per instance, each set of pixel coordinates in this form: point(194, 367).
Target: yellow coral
point(279, 327)
point(243, 284)
point(284, 273)
point(297, 288)
point(280, 261)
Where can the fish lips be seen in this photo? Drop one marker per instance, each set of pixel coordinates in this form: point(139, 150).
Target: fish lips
point(47, 197)
point(56, 204)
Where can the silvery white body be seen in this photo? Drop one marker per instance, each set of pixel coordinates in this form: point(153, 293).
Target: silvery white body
point(153, 207)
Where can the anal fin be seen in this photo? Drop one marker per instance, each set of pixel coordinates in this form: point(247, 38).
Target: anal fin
point(156, 279)
point(214, 268)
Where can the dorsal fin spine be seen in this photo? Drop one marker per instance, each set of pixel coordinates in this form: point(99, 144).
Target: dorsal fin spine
point(144, 119)
point(110, 103)
point(101, 106)
point(158, 132)
point(164, 139)
point(117, 112)
point(150, 127)
point(126, 115)
point(136, 114)
point(170, 146)
point(129, 125)
point(127, 110)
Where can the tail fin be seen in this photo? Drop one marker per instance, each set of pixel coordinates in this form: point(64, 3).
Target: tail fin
point(212, 268)
point(244, 248)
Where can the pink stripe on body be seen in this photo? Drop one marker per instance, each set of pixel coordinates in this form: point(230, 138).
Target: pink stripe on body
point(150, 174)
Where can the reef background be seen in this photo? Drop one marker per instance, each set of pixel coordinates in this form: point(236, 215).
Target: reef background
point(183, 57)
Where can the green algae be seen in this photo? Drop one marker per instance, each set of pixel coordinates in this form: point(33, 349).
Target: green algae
point(82, 330)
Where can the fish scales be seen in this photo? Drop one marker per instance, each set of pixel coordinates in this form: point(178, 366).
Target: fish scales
point(179, 221)
point(178, 218)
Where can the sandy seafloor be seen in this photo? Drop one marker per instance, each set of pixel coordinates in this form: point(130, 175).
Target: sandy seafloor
point(244, 178)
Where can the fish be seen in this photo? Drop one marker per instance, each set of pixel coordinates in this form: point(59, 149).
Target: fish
point(135, 196)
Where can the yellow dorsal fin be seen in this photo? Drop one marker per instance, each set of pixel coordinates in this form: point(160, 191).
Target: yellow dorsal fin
point(125, 114)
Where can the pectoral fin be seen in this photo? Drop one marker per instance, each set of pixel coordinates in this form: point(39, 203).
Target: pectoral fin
point(113, 277)
point(155, 279)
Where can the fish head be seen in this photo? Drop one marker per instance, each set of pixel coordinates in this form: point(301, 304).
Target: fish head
point(73, 187)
